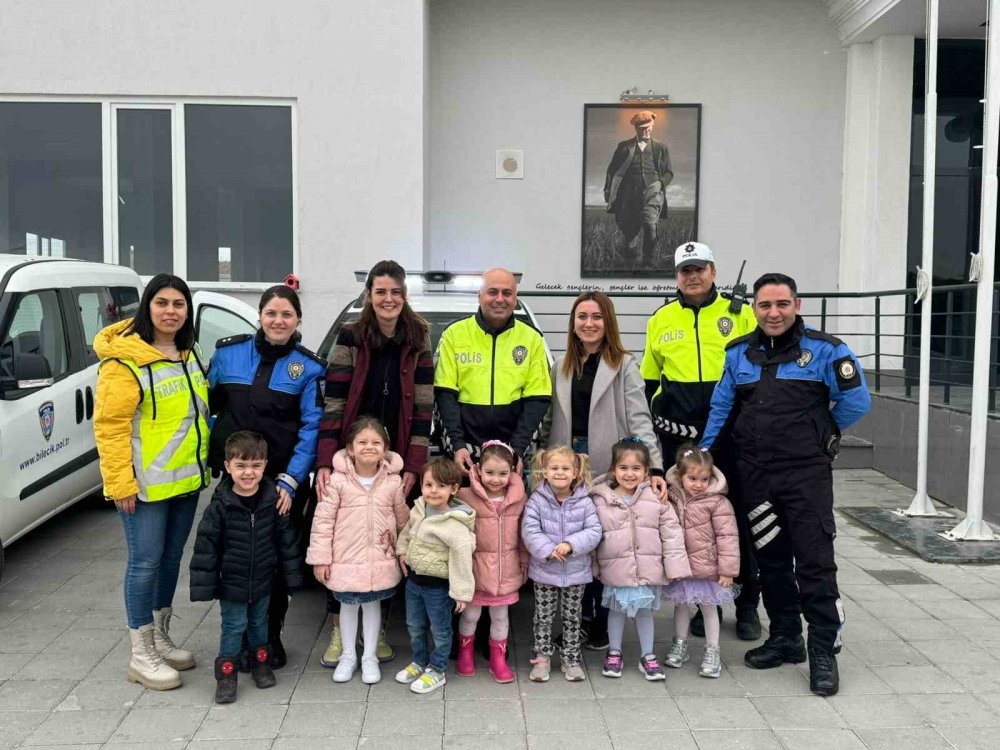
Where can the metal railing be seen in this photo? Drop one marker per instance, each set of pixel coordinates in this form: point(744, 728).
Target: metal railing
point(882, 328)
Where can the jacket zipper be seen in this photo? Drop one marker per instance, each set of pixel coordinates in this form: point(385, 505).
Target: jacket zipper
point(500, 545)
point(562, 534)
point(493, 376)
point(697, 341)
point(635, 542)
point(253, 554)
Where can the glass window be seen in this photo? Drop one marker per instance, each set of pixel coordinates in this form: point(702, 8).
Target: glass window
point(97, 309)
point(215, 323)
point(50, 179)
point(145, 191)
point(36, 328)
point(239, 192)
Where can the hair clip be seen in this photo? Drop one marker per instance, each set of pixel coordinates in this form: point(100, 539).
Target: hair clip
point(687, 453)
point(501, 443)
point(630, 439)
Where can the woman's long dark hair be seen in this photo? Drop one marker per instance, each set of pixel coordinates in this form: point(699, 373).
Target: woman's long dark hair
point(142, 323)
point(414, 327)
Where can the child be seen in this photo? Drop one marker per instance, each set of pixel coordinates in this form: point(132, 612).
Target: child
point(642, 549)
point(500, 563)
point(435, 552)
point(560, 530)
point(698, 491)
point(241, 541)
point(353, 541)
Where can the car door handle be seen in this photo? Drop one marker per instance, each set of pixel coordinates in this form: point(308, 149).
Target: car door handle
point(79, 406)
point(90, 403)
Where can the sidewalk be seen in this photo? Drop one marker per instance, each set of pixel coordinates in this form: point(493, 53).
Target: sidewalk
point(920, 668)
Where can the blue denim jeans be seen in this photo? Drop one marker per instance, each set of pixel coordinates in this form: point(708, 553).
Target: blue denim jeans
point(431, 603)
point(240, 617)
point(155, 536)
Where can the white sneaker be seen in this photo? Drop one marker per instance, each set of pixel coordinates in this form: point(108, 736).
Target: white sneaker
point(429, 681)
point(345, 669)
point(370, 673)
point(409, 673)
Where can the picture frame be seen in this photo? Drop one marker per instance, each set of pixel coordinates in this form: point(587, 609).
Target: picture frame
point(609, 143)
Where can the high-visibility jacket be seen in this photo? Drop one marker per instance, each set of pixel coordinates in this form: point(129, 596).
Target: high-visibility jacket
point(685, 352)
point(150, 419)
point(491, 384)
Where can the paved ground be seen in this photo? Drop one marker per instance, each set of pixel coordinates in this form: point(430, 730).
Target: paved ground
point(921, 668)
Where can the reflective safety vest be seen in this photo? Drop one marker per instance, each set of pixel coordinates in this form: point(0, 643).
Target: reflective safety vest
point(170, 429)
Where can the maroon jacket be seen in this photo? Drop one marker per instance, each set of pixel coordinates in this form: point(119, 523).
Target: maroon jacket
point(345, 386)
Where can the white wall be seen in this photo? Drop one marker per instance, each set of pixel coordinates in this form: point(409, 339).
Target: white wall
point(770, 75)
point(356, 70)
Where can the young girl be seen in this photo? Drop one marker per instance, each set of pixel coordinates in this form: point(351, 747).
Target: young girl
point(353, 541)
point(560, 530)
point(500, 562)
point(698, 491)
point(642, 549)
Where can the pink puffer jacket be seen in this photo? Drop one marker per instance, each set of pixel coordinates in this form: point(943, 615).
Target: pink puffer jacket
point(354, 530)
point(710, 534)
point(500, 562)
point(642, 543)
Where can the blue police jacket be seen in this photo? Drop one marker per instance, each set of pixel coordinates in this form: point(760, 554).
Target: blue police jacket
point(775, 396)
point(273, 390)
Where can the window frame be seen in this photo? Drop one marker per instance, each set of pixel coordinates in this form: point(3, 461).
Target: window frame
point(70, 329)
point(109, 153)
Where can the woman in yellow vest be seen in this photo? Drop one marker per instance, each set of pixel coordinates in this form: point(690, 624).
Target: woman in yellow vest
point(151, 426)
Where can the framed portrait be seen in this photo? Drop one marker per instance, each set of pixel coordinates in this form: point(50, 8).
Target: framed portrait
point(640, 187)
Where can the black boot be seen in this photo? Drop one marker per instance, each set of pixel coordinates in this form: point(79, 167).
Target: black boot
point(778, 649)
point(260, 668)
point(698, 623)
point(278, 656)
point(747, 624)
point(226, 673)
point(824, 677)
point(244, 658)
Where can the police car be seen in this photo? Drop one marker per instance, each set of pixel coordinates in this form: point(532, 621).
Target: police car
point(50, 311)
point(440, 298)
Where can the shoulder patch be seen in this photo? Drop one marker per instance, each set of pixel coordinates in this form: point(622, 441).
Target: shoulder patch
point(310, 354)
point(738, 340)
point(229, 340)
point(813, 333)
point(847, 373)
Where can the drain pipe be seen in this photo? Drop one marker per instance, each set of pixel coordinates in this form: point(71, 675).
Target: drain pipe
point(921, 504)
point(973, 528)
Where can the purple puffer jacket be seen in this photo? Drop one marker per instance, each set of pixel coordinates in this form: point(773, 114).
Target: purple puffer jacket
point(547, 523)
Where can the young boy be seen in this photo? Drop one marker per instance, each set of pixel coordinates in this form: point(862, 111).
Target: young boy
point(435, 551)
point(241, 541)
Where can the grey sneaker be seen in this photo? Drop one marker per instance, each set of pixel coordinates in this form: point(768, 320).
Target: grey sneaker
point(541, 666)
point(573, 672)
point(678, 653)
point(711, 665)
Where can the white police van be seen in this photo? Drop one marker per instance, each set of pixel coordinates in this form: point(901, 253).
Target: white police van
point(50, 311)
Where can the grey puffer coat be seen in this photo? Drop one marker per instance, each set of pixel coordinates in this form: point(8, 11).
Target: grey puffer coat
point(710, 533)
point(547, 523)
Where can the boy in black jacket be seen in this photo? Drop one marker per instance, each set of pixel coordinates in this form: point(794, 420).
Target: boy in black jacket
point(241, 540)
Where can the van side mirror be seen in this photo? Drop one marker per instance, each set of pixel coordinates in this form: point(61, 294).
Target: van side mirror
point(32, 371)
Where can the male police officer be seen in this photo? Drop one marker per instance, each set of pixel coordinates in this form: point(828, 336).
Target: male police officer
point(774, 397)
point(685, 350)
point(491, 381)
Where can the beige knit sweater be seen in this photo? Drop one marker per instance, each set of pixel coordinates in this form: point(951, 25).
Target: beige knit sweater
point(441, 545)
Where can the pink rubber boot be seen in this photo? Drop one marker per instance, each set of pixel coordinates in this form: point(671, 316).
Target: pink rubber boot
point(498, 662)
point(466, 658)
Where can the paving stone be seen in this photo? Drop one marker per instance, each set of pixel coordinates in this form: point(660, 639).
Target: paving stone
point(323, 720)
point(27, 695)
point(407, 717)
point(627, 715)
point(785, 680)
point(338, 742)
point(83, 726)
point(484, 717)
point(93, 695)
point(72, 666)
point(855, 680)
point(10, 664)
point(980, 676)
point(720, 713)
point(919, 628)
point(18, 725)
point(318, 687)
point(924, 738)
point(886, 653)
point(477, 688)
point(971, 738)
point(159, 725)
point(925, 679)
point(862, 712)
point(29, 639)
point(198, 690)
point(686, 681)
point(89, 641)
point(570, 741)
point(563, 717)
point(976, 629)
point(820, 739)
point(953, 650)
point(241, 722)
point(737, 739)
point(958, 710)
point(798, 712)
point(558, 688)
point(482, 742)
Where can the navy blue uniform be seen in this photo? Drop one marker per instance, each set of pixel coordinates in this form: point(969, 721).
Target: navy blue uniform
point(775, 400)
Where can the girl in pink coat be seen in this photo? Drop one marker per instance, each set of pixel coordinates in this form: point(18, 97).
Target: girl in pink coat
point(642, 549)
point(353, 540)
point(698, 491)
point(500, 562)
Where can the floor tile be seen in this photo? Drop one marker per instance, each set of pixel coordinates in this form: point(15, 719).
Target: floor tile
point(145, 725)
point(798, 712)
point(83, 726)
point(323, 720)
point(720, 713)
point(235, 722)
point(563, 717)
point(405, 717)
point(484, 717)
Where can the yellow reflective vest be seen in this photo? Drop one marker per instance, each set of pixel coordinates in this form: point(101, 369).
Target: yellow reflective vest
point(150, 419)
point(685, 352)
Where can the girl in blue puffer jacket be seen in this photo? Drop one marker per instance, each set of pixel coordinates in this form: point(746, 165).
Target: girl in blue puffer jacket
point(561, 529)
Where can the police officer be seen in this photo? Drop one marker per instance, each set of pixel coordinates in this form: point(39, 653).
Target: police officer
point(685, 349)
point(775, 397)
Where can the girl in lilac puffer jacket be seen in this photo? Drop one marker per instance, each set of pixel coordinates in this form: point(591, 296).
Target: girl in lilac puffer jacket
point(560, 528)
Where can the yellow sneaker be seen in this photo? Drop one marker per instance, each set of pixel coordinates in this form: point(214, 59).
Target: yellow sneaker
point(334, 651)
point(383, 650)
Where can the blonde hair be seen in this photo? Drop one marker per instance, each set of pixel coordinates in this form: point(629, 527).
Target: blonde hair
point(581, 462)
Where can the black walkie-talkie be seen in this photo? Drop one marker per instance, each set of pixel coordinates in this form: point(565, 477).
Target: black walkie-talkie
point(738, 296)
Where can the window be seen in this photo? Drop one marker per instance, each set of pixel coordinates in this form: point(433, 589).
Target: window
point(36, 329)
point(238, 161)
point(51, 199)
point(97, 308)
point(215, 323)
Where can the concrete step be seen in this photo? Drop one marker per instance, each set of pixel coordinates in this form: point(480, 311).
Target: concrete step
point(855, 453)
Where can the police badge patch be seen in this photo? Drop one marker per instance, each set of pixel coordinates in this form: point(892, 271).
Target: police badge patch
point(847, 373)
point(295, 370)
point(47, 418)
point(725, 326)
point(805, 358)
point(520, 353)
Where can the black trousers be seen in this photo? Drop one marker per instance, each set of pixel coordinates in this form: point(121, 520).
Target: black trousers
point(749, 578)
point(303, 509)
point(790, 513)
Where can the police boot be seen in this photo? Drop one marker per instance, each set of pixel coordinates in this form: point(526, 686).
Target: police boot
point(697, 627)
point(778, 649)
point(226, 674)
point(747, 623)
point(260, 668)
point(824, 677)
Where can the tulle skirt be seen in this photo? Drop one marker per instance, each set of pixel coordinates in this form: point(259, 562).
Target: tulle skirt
point(630, 599)
point(700, 591)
